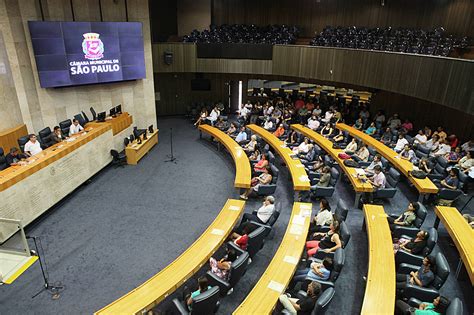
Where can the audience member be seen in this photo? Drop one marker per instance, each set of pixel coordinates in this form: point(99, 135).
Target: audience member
point(57, 135)
point(316, 271)
point(324, 217)
point(438, 307)
point(468, 146)
point(407, 126)
point(14, 157)
point(250, 147)
point(362, 154)
point(327, 130)
point(369, 170)
point(441, 150)
point(394, 122)
point(466, 162)
point(414, 246)
point(313, 122)
point(351, 148)
point(406, 219)
point(387, 136)
point(327, 242)
point(32, 147)
point(202, 117)
point(401, 142)
point(264, 178)
point(408, 154)
point(378, 180)
point(221, 268)
point(420, 138)
point(423, 277)
point(203, 286)
point(453, 156)
point(241, 136)
point(75, 127)
point(280, 131)
point(371, 129)
point(263, 214)
point(451, 181)
point(304, 305)
point(440, 133)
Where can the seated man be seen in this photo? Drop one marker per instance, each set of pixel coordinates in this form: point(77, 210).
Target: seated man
point(407, 218)
point(325, 177)
point(378, 180)
point(451, 181)
point(14, 157)
point(316, 271)
point(263, 214)
point(313, 122)
point(75, 127)
point(241, 136)
point(362, 154)
point(441, 150)
point(57, 135)
point(414, 246)
point(268, 124)
point(423, 277)
point(369, 170)
point(304, 305)
point(33, 146)
point(401, 142)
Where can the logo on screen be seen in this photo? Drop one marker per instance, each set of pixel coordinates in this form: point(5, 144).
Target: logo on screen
point(92, 46)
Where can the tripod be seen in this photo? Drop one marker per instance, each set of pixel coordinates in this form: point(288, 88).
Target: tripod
point(52, 289)
point(171, 157)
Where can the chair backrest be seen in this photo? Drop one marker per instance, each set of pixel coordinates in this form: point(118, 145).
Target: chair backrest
point(126, 141)
point(440, 169)
point(384, 162)
point(441, 271)
point(423, 149)
point(94, 114)
point(431, 241)
point(420, 215)
point(114, 154)
point(81, 119)
point(237, 268)
point(275, 173)
point(3, 163)
point(341, 210)
point(271, 157)
point(2, 153)
point(393, 177)
point(337, 264)
point(64, 125)
point(22, 141)
point(323, 301)
point(334, 177)
point(205, 303)
point(86, 119)
point(275, 214)
point(255, 241)
point(45, 136)
point(344, 234)
point(455, 307)
point(442, 161)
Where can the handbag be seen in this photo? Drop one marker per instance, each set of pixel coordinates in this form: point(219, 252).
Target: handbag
point(344, 156)
point(351, 163)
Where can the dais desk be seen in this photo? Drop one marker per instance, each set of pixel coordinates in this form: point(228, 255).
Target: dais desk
point(118, 123)
point(135, 152)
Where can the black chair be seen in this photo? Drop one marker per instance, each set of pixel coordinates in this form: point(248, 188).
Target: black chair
point(338, 260)
point(3, 162)
point(126, 142)
point(254, 244)
point(322, 303)
point(319, 192)
point(119, 159)
point(422, 151)
point(265, 190)
point(80, 119)
point(392, 177)
point(341, 210)
point(45, 137)
point(439, 170)
point(271, 221)
point(441, 272)
point(86, 119)
point(22, 141)
point(94, 114)
point(204, 303)
point(65, 125)
point(455, 306)
point(344, 235)
point(237, 270)
point(403, 256)
point(408, 230)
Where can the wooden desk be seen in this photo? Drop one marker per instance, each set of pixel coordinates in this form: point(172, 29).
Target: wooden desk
point(359, 186)
point(424, 186)
point(9, 137)
point(380, 289)
point(118, 123)
point(264, 295)
point(461, 234)
point(158, 287)
point(243, 172)
point(14, 174)
point(135, 151)
point(298, 173)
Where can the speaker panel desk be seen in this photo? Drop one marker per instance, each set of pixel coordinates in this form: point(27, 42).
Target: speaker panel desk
point(135, 152)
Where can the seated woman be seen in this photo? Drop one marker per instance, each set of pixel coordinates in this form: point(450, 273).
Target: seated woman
point(454, 156)
point(202, 117)
point(339, 137)
point(407, 218)
point(255, 155)
point(240, 237)
point(408, 154)
point(466, 162)
point(262, 164)
point(423, 277)
point(322, 218)
point(351, 147)
point(221, 268)
point(250, 147)
point(325, 177)
point(358, 124)
point(327, 130)
point(424, 165)
point(362, 154)
point(203, 287)
point(329, 241)
point(280, 131)
point(232, 129)
point(316, 165)
point(414, 246)
point(371, 129)
point(438, 307)
point(316, 271)
point(263, 179)
point(303, 147)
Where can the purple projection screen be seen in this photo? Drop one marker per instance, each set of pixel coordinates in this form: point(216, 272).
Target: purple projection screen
point(76, 53)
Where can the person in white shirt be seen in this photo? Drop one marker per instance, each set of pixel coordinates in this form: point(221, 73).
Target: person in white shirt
point(268, 125)
point(369, 170)
point(323, 218)
point(303, 147)
point(327, 116)
point(362, 154)
point(433, 143)
point(313, 122)
point(32, 147)
point(263, 214)
point(408, 154)
point(75, 127)
point(400, 143)
point(420, 138)
point(242, 136)
point(351, 147)
point(379, 180)
point(443, 148)
point(214, 115)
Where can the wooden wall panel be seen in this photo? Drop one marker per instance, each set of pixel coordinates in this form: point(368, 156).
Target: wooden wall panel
point(310, 15)
point(184, 57)
point(233, 66)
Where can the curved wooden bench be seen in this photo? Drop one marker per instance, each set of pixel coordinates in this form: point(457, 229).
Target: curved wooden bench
point(158, 287)
point(424, 186)
point(380, 289)
point(461, 234)
point(264, 295)
point(359, 186)
point(243, 173)
point(297, 171)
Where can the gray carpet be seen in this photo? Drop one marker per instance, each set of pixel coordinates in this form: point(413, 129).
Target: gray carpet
point(127, 224)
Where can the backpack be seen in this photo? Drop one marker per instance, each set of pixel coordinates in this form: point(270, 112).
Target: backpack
point(418, 174)
point(351, 163)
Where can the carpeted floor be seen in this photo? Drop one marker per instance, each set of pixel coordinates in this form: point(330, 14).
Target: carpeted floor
point(127, 224)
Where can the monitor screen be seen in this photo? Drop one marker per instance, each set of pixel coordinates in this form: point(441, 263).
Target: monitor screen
point(76, 53)
point(118, 109)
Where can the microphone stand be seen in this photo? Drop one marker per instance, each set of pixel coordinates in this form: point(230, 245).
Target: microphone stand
point(171, 157)
point(52, 289)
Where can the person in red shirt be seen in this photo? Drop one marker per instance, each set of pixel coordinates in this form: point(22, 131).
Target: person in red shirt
point(242, 240)
point(299, 104)
point(453, 141)
point(310, 106)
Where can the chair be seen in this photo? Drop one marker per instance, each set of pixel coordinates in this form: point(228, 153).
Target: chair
point(265, 190)
point(126, 142)
point(392, 177)
point(204, 303)
point(422, 151)
point(341, 210)
point(86, 119)
point(322, 303)
point(454, 308)
point(45, 137)
point(119, 159)
point(271, 221)
point(408, 230)
point(318, 191)
point(22, 141)
point(255, 242)
point(80, 119)
point(93, 112)
point(65, 125)
point(441, 272)
point(3, 162)
point(344, 235)
point(439, 170)
point(237, 270)
point(338, 260)
point(403, 256)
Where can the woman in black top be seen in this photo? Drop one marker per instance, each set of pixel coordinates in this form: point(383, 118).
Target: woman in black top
point(415, 246)
point(329, 241)
point(327, 130)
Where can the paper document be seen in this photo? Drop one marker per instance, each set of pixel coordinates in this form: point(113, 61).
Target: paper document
point(234, 208)
point(217, 232)
point(360, 171)
point(291, 260)
point(276, 286)
point(298, 220)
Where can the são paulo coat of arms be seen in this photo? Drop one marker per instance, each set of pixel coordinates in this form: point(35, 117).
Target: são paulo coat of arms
point(92, 46)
